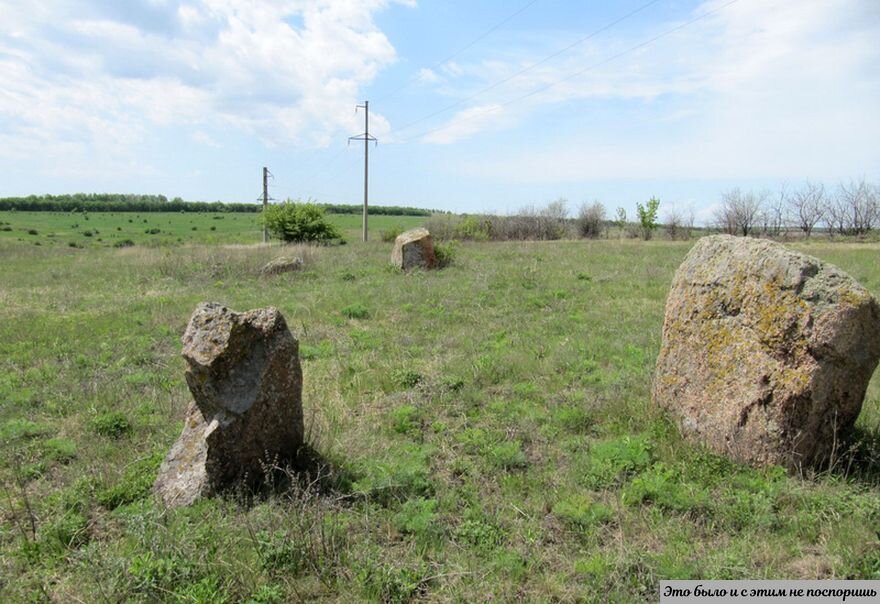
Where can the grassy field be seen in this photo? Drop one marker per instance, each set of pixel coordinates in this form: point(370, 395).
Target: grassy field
point(485, 431)
point(108, 229)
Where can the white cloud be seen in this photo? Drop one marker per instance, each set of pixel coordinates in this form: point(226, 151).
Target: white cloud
point(466, 123)
point(96, 75)
point(427, 76)
point(772, 89)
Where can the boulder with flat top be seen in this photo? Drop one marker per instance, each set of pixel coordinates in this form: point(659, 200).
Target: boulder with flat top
point(414, 249)
point(766, 352)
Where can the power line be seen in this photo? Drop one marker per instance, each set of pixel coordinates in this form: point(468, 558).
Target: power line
point(582, 71)
point(530, 67)
point(460, 50)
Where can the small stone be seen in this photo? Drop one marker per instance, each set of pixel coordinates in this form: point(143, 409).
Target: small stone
point(282, 264)
point(766, 352)
point(244, 374)
point(414, 249)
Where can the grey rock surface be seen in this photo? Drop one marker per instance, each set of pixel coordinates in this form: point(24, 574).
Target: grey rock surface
point(244, 373)
point(282, 264)
point(766, 352)
point(414, 249)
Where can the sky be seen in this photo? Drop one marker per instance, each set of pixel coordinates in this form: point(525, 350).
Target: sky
point(477, 105)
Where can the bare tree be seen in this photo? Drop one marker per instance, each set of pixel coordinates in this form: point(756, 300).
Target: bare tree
point(773, 213)
point(858, 207)
point(679, 223)
point(591, 220)
point(807, 206)
point(739, 213)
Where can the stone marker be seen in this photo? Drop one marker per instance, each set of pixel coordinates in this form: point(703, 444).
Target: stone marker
point(414, 249)
point(246, 381)
point(282, 264)
point(766, 352)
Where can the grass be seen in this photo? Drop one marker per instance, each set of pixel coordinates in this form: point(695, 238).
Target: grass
point(485, 430)
point(123, 229)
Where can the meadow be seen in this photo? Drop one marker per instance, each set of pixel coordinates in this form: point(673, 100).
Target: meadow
point(157, 229)
point(482, 432)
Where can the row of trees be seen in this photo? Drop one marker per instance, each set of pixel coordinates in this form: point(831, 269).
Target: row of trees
point(121, 202)
point(849, 209)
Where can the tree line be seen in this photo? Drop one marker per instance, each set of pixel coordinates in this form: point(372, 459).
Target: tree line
point(851, 208)
point(121, 202)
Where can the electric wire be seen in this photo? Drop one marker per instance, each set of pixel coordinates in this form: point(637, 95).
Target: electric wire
point(580, 72)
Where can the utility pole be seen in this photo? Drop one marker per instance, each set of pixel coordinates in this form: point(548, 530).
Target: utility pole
point(366, 138)
point(266, 175)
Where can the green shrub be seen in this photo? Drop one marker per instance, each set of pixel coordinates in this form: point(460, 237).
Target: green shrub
point(113, 424)
point(299, 222)
point(124, 243)
point(445, 253)
point(391, 233)
point(356, 311)
point(33, 232)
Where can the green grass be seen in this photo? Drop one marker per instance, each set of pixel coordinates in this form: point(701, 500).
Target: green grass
point(487, 426)
point(108, 229)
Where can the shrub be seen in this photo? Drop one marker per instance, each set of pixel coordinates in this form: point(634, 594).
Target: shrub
point(33, 232)
point(445, 253)
point(299, 222)
point(113, 424)
point(391, 234)
point(356, 311)
point(124, 243)
point(590, 220)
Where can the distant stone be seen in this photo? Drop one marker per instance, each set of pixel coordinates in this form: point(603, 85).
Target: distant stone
point(414, 249)
point(244, 374)
point(766, 352)
point(282, 264)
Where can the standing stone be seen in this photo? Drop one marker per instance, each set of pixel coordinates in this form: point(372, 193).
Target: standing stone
point(766, 352)
point(244, 374)
point(414, 249)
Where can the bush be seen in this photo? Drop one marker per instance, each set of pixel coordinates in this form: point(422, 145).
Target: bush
point(445, 253)
point(388, 236)
point(113, 424)
point(124, 243)
point(299, 222)
point(591, 220)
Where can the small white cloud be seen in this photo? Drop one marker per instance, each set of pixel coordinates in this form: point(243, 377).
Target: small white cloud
point(465, 123)
point(203, 138)
point(427, 76)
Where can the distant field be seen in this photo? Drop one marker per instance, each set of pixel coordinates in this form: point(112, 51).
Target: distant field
point(487, 429)
point(105, 229)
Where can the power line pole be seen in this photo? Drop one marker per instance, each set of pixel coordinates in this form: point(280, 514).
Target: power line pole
point(366, 138)
point(266, 175)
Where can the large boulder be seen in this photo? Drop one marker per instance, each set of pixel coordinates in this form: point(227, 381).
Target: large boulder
point(244, 374)
point(414, 249)
point(766, 352)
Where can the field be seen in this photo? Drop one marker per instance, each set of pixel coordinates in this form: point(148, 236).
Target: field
point(484, 432)
point(106, 229)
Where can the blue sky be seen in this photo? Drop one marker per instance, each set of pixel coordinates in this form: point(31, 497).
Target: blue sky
point(479, 105)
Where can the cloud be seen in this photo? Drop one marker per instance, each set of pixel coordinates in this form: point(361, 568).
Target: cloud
point(101, 75)
point(760, 90)
point(466, 123)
